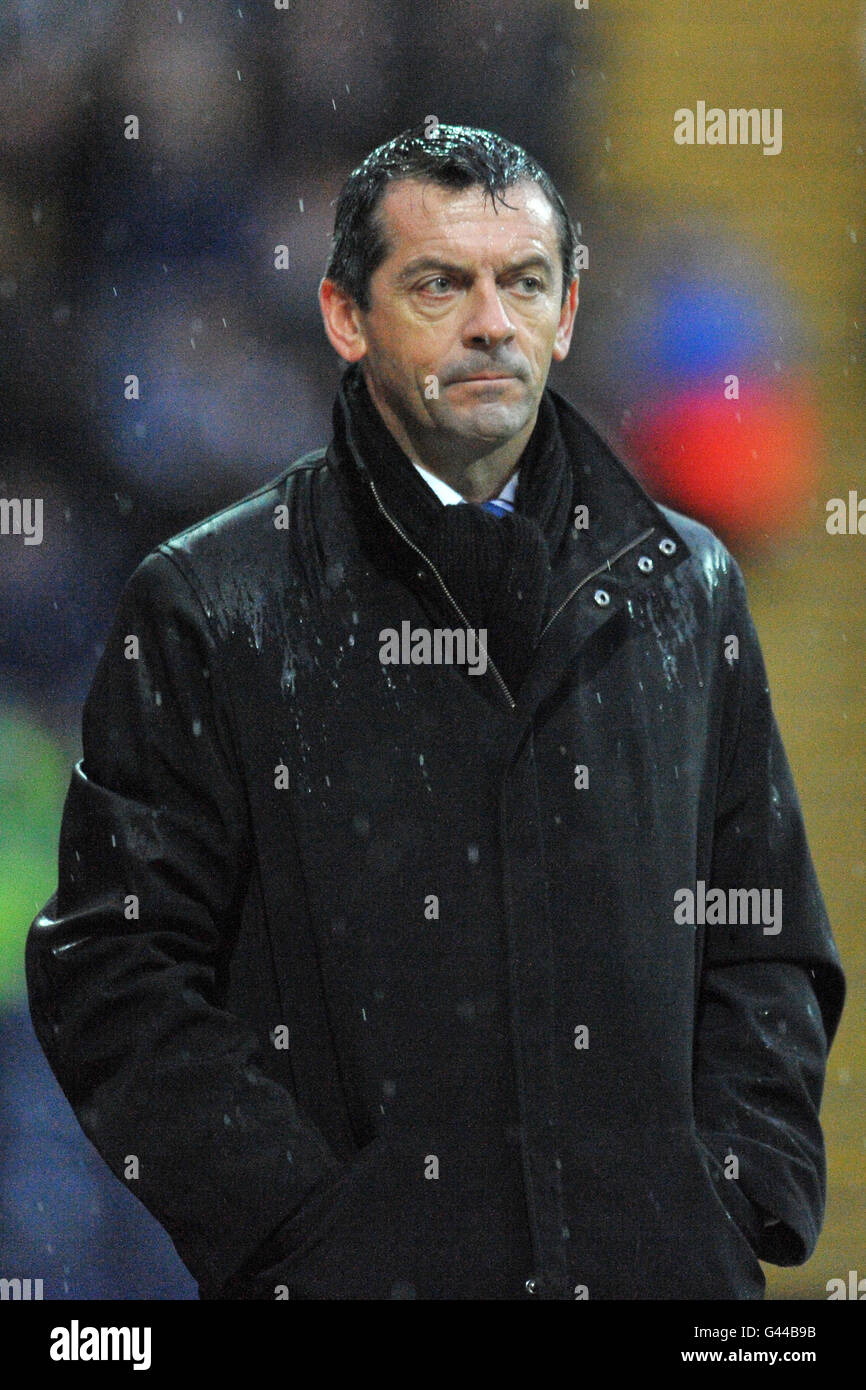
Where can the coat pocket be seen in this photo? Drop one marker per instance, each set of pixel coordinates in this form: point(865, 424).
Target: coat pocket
point(334, 1245)
point(647, 1221)
point(729, 1193)
point(391, 1226)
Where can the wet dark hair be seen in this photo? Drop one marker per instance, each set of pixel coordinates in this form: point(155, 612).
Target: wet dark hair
point(453, 156)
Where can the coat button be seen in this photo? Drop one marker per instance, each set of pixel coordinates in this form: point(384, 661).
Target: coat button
point(644, 564)
point(531, 1286)
point(602, 597)
point(667, 546)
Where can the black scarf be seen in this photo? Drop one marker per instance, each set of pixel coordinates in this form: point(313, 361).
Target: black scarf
point(497, 569)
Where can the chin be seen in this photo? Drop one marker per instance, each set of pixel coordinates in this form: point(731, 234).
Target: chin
point(493, 423)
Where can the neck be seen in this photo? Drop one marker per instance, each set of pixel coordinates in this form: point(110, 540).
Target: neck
point(477, 477)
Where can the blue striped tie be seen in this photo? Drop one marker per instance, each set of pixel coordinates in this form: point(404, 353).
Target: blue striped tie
point(498, 507)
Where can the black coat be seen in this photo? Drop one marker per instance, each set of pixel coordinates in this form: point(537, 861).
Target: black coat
point(512, 1070)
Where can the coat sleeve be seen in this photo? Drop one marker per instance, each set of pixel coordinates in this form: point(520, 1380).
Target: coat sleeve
point(124, 962)
point(770, 994)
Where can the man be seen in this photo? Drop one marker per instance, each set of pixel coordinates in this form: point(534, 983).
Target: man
point(379, 971)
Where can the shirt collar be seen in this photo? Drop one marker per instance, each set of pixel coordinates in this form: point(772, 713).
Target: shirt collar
point(447, 494)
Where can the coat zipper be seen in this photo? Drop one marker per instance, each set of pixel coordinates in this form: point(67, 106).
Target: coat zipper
point(445, 590)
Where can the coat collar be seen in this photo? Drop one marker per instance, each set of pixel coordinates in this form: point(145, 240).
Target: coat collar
point(621, 545)
point(618, 511)
point(626, 547)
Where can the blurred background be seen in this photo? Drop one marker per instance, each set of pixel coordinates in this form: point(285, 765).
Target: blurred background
point(718, 346)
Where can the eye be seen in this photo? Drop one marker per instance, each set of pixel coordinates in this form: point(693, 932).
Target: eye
point(439, 284)
point(531, 284)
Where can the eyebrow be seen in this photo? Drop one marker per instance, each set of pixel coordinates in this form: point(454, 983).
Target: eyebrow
point(421, 263)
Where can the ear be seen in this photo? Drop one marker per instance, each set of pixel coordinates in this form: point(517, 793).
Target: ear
point(562, 342)
point(342, 321)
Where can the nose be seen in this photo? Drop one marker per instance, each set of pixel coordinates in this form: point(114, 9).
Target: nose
point(487, 323)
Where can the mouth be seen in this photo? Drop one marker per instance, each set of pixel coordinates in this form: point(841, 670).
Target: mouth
point(483, 376)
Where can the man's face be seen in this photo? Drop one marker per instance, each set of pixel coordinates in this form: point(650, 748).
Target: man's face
point(465, 311)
